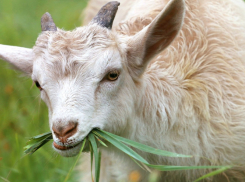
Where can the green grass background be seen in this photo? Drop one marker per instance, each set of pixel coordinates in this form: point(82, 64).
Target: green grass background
point(22, 113)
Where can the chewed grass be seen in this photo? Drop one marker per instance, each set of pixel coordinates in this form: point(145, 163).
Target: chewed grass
point(99, 137)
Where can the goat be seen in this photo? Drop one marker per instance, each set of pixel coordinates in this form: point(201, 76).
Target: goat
point(169, 74)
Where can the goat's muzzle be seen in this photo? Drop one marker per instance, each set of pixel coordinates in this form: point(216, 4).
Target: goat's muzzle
point(64, 132)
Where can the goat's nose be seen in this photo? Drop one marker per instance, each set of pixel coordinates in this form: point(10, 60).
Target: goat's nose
point(64, 132)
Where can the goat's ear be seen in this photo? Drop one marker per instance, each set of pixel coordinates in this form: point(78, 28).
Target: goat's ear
point(155, 37)
point(21, 58)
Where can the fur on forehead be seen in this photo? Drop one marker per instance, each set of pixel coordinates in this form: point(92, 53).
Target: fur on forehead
point(63, 51)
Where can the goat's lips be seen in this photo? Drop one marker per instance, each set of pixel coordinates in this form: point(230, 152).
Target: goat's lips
point(61, 147)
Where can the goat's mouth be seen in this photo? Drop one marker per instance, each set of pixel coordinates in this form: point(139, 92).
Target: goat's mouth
point(59, 147)
point(73, 149)
point(68, 151)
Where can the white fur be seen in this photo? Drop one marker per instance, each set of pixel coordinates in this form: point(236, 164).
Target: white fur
point(188, 99)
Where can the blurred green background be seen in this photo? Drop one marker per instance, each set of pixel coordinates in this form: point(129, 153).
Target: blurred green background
point(22, 113)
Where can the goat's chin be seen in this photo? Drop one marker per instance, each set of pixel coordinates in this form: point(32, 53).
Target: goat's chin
point(71, 152)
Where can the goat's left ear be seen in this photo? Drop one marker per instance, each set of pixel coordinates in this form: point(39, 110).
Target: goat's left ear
point(155, 37)
point(21, 58)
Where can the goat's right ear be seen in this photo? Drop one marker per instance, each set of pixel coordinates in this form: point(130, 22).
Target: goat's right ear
point(21, 58)
point(155, 37)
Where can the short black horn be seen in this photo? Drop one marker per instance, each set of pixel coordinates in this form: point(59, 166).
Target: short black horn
point(106, 14)
point(47, 23)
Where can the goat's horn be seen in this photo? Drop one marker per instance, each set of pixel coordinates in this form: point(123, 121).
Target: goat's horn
point(47, 23)
point(106, 14)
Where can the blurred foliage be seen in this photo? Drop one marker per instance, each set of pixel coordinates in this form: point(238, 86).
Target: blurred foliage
point(22, 113)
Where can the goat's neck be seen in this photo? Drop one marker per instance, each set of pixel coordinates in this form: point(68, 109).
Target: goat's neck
point(156, 102)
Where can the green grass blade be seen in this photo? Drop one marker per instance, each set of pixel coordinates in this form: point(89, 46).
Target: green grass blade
point(145, 148)
point(122, 144)
point(101, 142)
point(176, 168)
point(30, 149)
point(96, 156)
point(39, 138)
point(91, 160)
point(139, 163)
point(34, 146)
point(42, 136)
point(124, 148)
point(218, 171)
point(71, 169)
point(99, 162)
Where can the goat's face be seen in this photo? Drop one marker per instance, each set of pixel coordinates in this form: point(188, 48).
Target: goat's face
point(81, 76)
point(89, 77)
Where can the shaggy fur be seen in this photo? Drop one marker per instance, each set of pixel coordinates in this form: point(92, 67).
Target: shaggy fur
point(191, 97)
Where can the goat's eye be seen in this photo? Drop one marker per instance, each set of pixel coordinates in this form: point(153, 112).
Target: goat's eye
point(113, 75)
point(38, 85)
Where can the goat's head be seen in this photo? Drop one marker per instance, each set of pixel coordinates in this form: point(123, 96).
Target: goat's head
point(88, 76)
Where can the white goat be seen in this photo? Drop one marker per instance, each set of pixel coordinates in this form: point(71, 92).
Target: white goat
point(189, 99)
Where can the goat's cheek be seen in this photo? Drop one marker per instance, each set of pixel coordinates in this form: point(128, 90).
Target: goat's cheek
point(43, 97)
point(46, 99)
point(110, 91)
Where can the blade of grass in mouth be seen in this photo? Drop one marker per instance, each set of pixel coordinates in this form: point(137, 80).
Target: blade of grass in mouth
point(121, 143)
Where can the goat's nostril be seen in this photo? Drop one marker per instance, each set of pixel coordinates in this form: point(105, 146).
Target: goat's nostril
point(64, 132)
point(70, 129)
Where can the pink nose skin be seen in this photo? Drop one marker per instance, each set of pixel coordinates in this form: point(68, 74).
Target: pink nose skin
point(64, 132)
